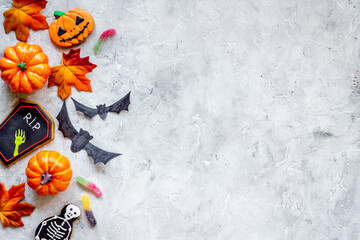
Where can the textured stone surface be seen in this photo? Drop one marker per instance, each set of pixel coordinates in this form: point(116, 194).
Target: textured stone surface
point(244, 120)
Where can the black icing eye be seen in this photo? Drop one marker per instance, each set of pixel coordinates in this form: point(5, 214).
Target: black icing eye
point(61, 31)
point(79, 20)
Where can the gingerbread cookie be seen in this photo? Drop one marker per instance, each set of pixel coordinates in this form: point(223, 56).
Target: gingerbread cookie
point(26, 128)
point(71, 28)
point(60, 226)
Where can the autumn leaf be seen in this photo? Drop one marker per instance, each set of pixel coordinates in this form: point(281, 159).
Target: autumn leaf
point(72, 72)
point(10, 210)
point(25, 13)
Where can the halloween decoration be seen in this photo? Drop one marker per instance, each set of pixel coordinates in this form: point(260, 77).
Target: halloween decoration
point(88, 212)
point(60, 226)
point(26, 128)
point(86, 183)
point(101, 109)
point(103, 36)
point(48, 173)
point(71, 28)
point(24, 67)
point(81, 140)
point(25, 13)
point(72, 72)
point(11, 210)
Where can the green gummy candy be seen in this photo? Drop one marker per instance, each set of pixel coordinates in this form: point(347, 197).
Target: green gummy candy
point(82, 180)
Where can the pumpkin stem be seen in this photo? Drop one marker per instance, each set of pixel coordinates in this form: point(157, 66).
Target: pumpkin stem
point(46, 178)
point(22, 66)
point(58, 14)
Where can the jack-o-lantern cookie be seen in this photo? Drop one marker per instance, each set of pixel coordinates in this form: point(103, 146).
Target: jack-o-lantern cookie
point(71, 28)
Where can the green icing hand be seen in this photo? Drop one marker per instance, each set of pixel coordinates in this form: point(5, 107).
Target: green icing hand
point(19, 139)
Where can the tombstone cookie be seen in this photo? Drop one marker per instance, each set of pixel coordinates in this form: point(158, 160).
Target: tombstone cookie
point(58, 227)
point(26, 128)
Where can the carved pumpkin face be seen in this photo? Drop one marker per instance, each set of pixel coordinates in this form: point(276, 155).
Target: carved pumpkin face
point(71, 28)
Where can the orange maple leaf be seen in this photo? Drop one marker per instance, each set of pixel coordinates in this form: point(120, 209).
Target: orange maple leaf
point(25, 13)
point(10, 210)
point(72, 72)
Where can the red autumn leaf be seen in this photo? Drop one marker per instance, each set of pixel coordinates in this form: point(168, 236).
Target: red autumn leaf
point(10, 210)
point(25, 13)
point(72, 72)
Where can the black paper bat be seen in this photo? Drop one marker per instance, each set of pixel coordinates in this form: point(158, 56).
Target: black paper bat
point(101, 109)
point(81, 140)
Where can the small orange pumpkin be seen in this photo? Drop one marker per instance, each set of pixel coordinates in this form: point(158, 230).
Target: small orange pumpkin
point(24, 67)
point(71, 28)
point(48, 173)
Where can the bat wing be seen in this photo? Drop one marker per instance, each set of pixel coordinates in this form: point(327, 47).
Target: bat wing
point(99, 155)
point(65, 125)
point(88, 112)
point(120, 105)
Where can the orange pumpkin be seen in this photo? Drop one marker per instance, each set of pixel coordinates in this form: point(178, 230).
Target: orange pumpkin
point(71, 28)
point(48, 173)
point(24, 67)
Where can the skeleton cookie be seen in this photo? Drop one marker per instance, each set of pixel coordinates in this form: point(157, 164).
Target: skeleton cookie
point(58, 227)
